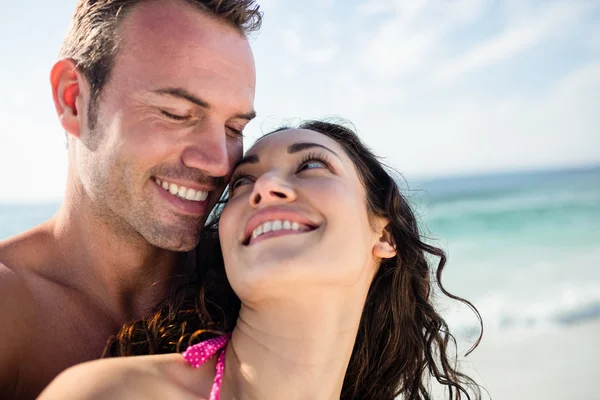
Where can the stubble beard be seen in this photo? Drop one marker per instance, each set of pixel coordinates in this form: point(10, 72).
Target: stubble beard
point(132, 211)
point(141, 211)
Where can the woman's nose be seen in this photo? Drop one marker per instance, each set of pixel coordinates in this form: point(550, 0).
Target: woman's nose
point(269, 189)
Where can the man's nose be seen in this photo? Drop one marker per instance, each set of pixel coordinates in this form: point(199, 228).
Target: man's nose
point(207, 150)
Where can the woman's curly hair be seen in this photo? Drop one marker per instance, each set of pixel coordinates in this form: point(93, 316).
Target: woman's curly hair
point(402, 341)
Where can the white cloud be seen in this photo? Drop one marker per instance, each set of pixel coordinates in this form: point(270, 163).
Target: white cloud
point(330, 30)
point(291, 41)
point(33, 159)
point(395, 52)
point(592, 38)
point(559, 128)
point(513, 40)
point(410, 38)
point(373, 64)
point(322, 55)
point(373, 7)
point(581, 79)
point(464, 11)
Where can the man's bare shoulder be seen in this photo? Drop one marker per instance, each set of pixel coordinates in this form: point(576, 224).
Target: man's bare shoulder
point(13, 286)
point(21, 253)
point(17, 268)
point(16, 302)
point(17, 306)
point(15, 293)
point(15, 310)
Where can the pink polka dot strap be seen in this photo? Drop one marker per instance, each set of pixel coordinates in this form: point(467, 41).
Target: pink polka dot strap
point(200, 353)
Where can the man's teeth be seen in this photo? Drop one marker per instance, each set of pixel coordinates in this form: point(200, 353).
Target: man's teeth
point(276, 225)
point(182, 191)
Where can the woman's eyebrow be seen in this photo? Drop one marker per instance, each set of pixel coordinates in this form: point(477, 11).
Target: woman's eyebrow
point(296, 147)
point(252, 159)
point(293, 148)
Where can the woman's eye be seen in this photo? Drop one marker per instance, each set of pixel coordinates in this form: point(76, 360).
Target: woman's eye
point(241, 181)
point(312, 164)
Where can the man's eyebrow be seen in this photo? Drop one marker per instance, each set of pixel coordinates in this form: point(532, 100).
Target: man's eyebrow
point(184, 94)
point(296, 147)
point(247, 116)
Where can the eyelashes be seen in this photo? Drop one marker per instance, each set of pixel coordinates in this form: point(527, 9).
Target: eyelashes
point(312, 157)
point(231, 131)
point(174, 117)
point(235, 178)
point(236, 132)
point(308, 159)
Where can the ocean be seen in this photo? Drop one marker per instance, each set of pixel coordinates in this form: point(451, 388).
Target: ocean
point(523, 247)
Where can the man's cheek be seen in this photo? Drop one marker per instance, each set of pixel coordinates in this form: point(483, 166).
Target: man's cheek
point(235, 150)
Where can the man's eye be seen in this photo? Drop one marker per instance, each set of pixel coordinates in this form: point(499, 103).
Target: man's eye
point(175, 117)
point(233, 132)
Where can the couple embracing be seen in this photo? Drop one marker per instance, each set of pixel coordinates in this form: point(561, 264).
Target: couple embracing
point(309, 279)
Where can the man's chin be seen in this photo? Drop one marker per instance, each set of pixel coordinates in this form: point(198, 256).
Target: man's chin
point(181, 246)
point(179, 241)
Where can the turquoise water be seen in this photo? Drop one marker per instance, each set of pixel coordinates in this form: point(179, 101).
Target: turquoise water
point(15, 218)
point(524, 247)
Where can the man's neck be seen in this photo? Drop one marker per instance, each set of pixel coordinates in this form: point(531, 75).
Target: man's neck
point(112, 265)
point(293, 349)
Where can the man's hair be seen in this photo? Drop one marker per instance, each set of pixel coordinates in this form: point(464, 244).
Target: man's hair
point(92, 41)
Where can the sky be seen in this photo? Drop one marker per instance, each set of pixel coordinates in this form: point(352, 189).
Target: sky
point(436, 87)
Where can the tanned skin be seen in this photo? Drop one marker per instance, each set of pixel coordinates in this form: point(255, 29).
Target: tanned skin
point(180, 91)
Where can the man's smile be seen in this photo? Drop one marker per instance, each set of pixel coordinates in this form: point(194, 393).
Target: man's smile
point(186, 200)
point(182, 191)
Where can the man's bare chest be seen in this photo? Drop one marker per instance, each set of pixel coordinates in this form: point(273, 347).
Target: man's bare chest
point(60, 336)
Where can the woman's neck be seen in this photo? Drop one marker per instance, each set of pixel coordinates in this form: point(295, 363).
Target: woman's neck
point(293, 348)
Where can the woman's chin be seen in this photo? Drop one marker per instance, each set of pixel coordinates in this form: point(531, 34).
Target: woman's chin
point(268, 275)
point(280, 266)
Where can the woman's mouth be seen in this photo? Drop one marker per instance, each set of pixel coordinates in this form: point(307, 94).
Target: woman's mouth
point(275, 228)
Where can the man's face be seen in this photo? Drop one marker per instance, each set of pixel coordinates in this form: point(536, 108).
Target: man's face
point(168, 123)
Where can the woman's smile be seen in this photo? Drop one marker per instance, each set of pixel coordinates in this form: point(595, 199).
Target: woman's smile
point(275, 222)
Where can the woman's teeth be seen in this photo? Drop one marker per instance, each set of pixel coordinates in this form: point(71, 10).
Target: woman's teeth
point(276, 225)
point(182, 191)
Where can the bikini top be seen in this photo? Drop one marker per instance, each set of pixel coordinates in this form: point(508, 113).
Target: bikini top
point(200, 353)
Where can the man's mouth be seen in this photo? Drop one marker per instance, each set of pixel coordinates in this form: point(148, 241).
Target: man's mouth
point(182, 191)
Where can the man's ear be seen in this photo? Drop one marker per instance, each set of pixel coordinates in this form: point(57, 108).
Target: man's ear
point(66, 83)
point(384, 247)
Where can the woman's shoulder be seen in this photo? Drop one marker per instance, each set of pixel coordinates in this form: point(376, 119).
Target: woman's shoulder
point(141, 377)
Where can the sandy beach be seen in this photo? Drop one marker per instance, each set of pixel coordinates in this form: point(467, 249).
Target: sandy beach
point(558, 365)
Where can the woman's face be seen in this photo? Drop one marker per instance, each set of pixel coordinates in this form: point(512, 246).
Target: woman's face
point(296, 218)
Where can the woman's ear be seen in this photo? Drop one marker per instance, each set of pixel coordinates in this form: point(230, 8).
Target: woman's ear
point(384, 247)
point(66, 84)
